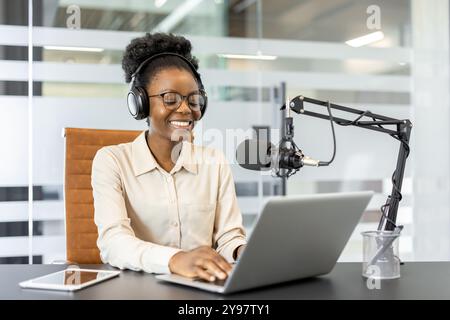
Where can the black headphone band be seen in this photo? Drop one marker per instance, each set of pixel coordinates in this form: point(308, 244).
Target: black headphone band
point(146, 61)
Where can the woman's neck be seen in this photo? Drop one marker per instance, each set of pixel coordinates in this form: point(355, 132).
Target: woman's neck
point(161, 149)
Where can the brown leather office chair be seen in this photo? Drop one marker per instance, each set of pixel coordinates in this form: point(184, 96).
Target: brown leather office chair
point(81, 231)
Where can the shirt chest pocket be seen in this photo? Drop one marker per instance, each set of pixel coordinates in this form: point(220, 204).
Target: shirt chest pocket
point(197, 224)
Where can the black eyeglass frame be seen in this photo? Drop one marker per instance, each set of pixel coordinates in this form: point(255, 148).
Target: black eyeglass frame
point(183, 98)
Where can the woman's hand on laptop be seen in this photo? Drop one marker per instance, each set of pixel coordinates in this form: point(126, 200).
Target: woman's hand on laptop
point(202, 262)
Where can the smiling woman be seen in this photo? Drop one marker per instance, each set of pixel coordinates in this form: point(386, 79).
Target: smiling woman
point(158, 207)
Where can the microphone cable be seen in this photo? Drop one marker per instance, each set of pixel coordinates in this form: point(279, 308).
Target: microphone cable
point(344, 124)
point(327, 163)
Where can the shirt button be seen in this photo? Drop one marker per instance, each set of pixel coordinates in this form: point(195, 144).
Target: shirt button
point(174, 224)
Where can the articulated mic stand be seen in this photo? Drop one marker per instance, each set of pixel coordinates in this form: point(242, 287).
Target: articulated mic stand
point(378, 123)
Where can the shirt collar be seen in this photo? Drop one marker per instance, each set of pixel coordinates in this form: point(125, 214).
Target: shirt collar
point(187, 158)
point(143, 160)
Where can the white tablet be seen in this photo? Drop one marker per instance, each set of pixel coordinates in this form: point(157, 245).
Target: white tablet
point(70, 279)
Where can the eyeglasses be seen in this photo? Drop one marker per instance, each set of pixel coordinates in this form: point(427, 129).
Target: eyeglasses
point(172, 100)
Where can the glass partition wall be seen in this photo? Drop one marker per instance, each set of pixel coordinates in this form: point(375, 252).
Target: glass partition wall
point(384, 56)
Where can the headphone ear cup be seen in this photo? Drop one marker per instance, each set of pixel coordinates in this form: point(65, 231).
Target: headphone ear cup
point(138, 104)
point(144, 103)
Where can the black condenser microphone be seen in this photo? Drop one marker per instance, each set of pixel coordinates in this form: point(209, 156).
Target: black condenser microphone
point(253, 154)
point(284, 160)
point(261, 155)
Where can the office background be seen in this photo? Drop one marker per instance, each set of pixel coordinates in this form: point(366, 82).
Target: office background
point(405, 74)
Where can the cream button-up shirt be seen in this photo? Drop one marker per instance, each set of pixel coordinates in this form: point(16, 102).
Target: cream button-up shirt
point(145, 214)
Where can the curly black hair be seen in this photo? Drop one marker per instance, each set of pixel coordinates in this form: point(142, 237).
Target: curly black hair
point(144, 47)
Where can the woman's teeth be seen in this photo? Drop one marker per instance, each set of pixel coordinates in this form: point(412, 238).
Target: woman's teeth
point(181, 123)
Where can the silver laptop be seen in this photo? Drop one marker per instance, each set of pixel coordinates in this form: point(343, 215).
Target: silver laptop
point(295, 237)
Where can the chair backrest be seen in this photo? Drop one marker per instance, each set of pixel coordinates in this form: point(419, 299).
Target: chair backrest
point(81, 146)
